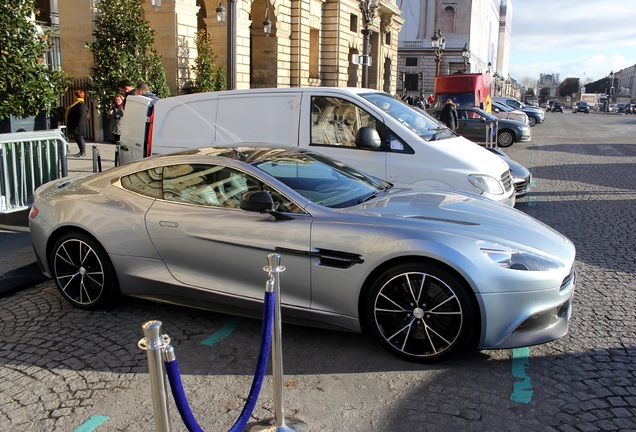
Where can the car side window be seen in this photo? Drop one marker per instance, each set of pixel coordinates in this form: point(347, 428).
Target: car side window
point(147, 183)
point(208, 185)
point(335, 121)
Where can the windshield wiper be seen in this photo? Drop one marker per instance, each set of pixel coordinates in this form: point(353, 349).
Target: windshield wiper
point(370, 196)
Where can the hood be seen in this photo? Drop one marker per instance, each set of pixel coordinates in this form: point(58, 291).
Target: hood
point(471, 153)
point(462, 214)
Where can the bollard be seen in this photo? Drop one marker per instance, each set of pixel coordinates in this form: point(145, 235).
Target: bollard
point(94, 158)
point(153, 344)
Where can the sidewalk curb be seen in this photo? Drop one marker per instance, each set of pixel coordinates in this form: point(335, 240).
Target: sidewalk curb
point(21, 277)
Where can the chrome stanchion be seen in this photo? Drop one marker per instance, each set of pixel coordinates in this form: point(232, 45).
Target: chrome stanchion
point(274, 269)
point(154, 344)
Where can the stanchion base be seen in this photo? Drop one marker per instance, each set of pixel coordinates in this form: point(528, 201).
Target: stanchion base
point(291, 425)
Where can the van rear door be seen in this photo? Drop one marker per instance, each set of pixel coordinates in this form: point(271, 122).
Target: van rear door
point(133, 129)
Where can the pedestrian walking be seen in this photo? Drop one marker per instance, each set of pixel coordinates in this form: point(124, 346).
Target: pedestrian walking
point(76, 118)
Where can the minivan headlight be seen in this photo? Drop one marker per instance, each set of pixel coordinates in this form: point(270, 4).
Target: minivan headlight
point(517, 259)
point(486, 184)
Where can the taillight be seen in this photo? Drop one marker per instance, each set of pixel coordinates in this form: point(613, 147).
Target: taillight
point(151, 122)
point(34, 212)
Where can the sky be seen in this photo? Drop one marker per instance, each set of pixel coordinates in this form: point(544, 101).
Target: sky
point(586, 39)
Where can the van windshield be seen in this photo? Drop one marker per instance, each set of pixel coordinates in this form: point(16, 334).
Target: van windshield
point(413, 118)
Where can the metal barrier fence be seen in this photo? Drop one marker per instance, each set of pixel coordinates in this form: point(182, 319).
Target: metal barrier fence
point(27, 161)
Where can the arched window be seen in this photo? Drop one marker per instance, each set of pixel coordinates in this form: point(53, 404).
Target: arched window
point(448, 19)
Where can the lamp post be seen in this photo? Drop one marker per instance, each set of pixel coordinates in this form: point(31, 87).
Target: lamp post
point(438, 42)
point(368, 8)
point(231, 39)
point(611, 93)
point(466, 56)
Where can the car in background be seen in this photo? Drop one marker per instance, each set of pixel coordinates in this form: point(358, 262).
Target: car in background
point(503, 111)
point(521, 176)
point(426, 271)
point(554, 106)
point(534, 113)
point(474, 123)
point(581, 106)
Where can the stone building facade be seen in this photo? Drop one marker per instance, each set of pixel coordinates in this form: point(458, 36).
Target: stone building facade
point(311, 42)
point(482, 26)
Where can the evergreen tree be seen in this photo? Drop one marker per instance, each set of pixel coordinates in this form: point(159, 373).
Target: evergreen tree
point(27, 85)
point(209, 78)
point(123, 49)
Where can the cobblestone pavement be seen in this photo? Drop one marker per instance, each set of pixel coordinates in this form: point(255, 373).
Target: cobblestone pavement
point(66, 369)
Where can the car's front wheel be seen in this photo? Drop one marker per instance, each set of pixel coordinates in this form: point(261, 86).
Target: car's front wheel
point(532, 121)
point(420, 312)
point(82, 271)
point(505, 138)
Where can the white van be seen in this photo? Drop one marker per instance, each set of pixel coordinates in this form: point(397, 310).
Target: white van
point(370, 130)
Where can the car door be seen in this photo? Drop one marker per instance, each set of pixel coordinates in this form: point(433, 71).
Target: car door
point(471, 125)
point(206, 241)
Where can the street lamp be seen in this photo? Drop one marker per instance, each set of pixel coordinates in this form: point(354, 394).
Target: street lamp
point(368, 8)
point(267, 24)
point(231, 39)
point(155, 4)
point(466, 56)
point(438, 42)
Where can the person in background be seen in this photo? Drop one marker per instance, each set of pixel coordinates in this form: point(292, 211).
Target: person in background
point(143, 89)
point(76, 117)
point(116, 112)
point(126, 88)
point(449, 115)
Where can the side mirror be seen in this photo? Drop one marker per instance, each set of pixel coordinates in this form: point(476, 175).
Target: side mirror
point(261, 202)
point(257, 201)
point(496, 110)
point(367, 137)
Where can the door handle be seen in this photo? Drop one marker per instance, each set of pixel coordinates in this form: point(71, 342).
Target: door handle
point(168, 224)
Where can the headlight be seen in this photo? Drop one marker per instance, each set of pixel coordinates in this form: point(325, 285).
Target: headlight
point(516, 259)
point(486, 184)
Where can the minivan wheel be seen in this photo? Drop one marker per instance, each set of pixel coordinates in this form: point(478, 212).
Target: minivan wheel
point(82, 271)
point(505, 138)
point(420, 312)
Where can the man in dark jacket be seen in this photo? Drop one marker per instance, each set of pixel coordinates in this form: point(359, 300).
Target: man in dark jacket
point(449, 115)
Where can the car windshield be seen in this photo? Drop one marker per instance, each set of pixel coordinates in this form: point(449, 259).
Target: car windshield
point(413, 118)
point(502, 107)
point(321, 179)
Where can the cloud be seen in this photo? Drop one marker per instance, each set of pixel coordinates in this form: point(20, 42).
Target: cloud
point(585, 39)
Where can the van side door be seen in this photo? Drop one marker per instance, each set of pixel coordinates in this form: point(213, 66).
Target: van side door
point(334, 124)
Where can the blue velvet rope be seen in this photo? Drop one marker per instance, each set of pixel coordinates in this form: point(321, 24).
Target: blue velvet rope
point(172, 370)
point(261, 363)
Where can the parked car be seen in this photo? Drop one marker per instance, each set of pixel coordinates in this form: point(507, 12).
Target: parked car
point(426, 271)
point(521, 176)
point(473, 124)
point(581, 106)
point(503, 111)
point(554, 106)
point(534, 113)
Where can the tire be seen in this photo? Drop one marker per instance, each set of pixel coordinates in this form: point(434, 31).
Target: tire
point(505, 138)
point(82, 271)
point(532, 121)
point(420, 312)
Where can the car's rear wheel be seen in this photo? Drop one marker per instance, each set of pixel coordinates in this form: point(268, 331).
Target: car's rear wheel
point(82, 271)
point(505, 138)
point(420, 312)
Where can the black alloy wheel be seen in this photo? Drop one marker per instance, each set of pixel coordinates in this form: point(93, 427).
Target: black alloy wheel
point(82, 271)
point(420, 313)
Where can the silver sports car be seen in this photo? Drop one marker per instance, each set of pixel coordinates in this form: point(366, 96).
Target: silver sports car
point(426, 271)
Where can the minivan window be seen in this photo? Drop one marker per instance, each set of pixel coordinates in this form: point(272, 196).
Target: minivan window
point(414, 119)
point(335, 121)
